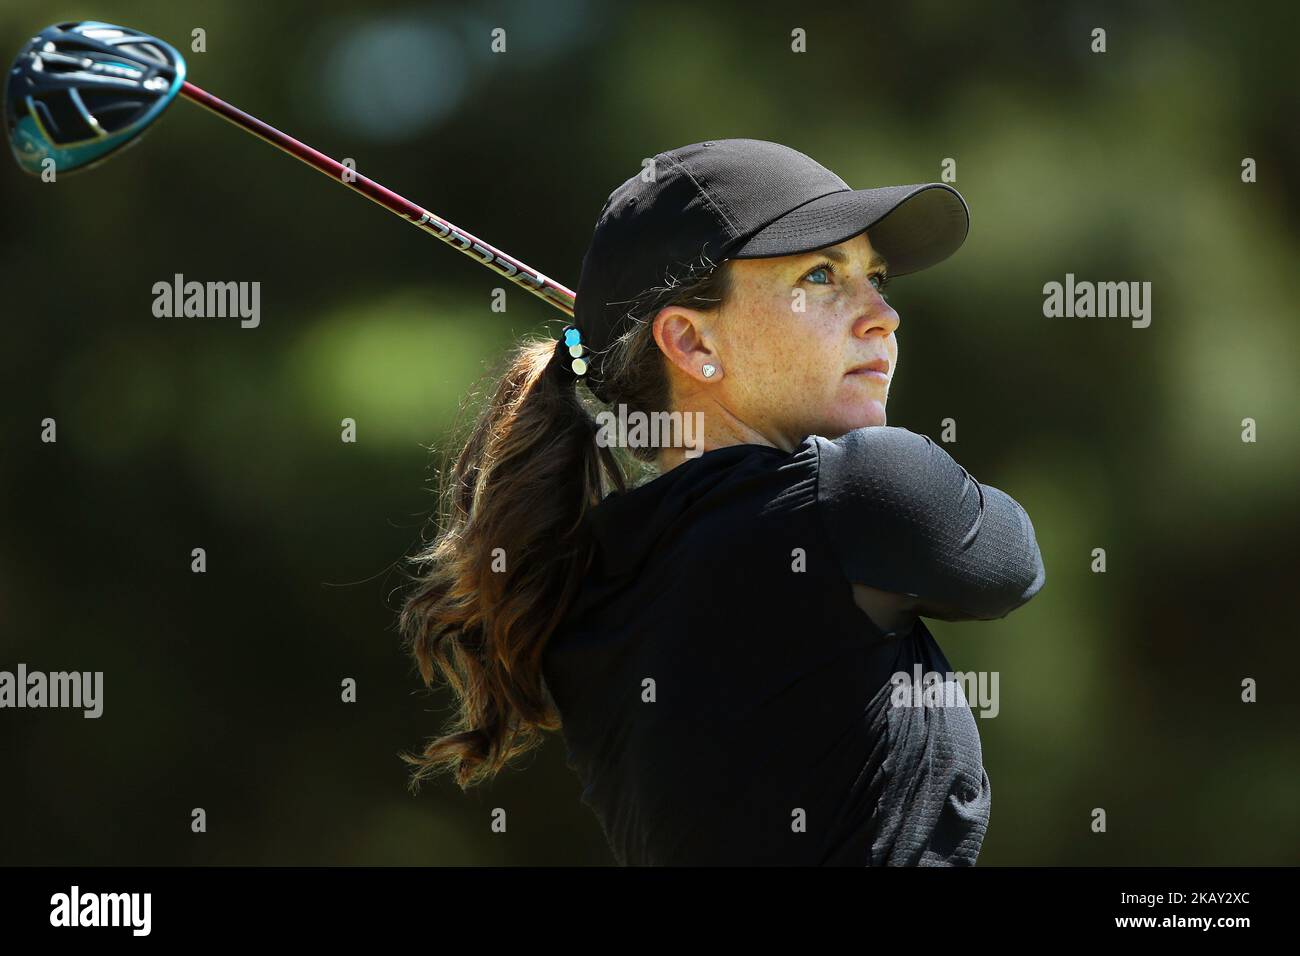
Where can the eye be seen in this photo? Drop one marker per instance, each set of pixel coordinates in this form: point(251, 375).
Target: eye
point(879, 279)
point(825, 267)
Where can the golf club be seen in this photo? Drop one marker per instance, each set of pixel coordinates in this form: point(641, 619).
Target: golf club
point(80, 92)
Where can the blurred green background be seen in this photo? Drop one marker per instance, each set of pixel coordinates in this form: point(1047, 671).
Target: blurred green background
point(1118, 690)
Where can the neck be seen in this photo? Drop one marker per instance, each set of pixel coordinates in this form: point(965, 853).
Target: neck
point(721, 429)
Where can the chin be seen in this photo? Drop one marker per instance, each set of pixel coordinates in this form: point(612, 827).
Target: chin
point(866, 415)
point(873, 414)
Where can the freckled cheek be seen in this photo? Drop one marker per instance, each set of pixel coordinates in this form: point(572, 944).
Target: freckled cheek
point(792, 357)
point(772, 342)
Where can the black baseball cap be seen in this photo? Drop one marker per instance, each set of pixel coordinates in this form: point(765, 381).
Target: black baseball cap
point(745, 199)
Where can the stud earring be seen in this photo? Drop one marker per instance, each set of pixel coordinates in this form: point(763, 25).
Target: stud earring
point(709, 371)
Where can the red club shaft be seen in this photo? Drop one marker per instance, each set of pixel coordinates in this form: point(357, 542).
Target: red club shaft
point(506, 265)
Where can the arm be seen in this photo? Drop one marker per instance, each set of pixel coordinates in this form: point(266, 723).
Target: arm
point(895, 613)
point(903, 517)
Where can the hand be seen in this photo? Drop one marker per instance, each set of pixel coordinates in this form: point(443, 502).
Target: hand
point(890, 612)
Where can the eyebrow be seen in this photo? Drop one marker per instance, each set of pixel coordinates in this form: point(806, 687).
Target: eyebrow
point(837, 255)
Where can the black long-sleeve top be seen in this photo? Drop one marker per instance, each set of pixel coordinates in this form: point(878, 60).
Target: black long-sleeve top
point(724, 699)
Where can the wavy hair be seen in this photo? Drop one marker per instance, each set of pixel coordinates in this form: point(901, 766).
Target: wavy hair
point(511, 545)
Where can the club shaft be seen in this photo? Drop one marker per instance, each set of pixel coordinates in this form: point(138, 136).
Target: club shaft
point(517, 272)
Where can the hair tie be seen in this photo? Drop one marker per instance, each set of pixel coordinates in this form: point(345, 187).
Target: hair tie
point(571, 350)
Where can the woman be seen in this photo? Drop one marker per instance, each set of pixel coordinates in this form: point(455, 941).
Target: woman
point(718, 643)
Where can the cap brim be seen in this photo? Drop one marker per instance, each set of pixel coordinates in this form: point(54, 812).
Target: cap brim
point(913, 227)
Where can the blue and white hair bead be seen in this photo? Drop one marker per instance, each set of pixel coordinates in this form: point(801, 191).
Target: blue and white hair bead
point(573, 340)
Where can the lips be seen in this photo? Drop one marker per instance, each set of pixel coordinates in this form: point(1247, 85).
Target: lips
point(878, 366)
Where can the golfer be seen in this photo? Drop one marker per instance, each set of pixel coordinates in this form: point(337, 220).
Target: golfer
point(722, 620)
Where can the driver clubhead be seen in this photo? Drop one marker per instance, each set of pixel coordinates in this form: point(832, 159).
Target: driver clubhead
point(79, 92)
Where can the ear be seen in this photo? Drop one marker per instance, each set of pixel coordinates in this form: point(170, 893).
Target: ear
point(683, 335)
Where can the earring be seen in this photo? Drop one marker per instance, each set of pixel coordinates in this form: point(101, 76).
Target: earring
point(708, 371)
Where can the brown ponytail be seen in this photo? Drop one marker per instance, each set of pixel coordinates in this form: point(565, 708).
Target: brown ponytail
point(512, 547)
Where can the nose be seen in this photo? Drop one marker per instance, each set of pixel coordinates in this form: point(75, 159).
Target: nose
point(878, 315)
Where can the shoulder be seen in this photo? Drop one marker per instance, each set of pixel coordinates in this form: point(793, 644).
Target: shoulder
point(880, 439)
point(876, 452)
